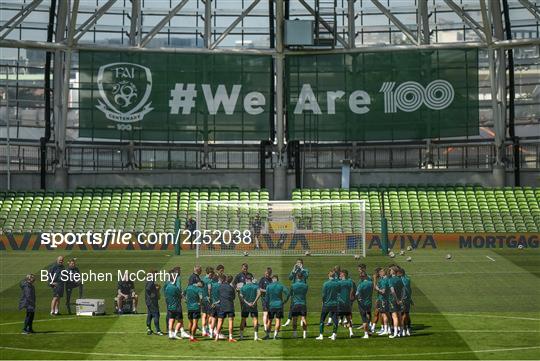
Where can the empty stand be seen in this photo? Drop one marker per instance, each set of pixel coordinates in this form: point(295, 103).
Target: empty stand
point(409, 209)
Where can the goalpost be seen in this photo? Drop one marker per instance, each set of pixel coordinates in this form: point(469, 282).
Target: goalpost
point(280, 228)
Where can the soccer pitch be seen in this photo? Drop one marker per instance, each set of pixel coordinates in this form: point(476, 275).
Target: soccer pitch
point(481, 304)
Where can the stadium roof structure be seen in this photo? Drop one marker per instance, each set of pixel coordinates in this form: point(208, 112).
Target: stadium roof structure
point(31, 28)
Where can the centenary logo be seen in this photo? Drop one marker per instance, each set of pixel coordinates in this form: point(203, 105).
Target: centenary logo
point(124, 89)
point(410, 95)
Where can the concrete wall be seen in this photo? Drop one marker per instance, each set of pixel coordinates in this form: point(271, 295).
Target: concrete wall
point(250, 179)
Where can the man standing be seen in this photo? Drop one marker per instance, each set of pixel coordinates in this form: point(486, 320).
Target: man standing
point(226, 306)
point(381, 286)
point(298, 303)
point(248, 294)
point(151, 291)
point(191, 226)
point(363, 295)
point(56, 283)
point(214, 304)
point(395, 286)
point(275, 294)
point(28, 302)
point(297, 268)
point(205, 303)
point(330, 296)
point(193, 302)
point(257, 227)
point(173, 297)
point(406, 302)
point(346, 295)
point(73, 273)
point(175, 272)
point(263, 283)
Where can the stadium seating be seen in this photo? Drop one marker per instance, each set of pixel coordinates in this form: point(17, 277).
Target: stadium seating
point(437, 209)
point(98, 209)
point(409, 209)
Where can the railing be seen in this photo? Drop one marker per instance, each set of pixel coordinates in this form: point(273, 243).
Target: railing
point(84, 157)
point(103, 157)
point(447, 155)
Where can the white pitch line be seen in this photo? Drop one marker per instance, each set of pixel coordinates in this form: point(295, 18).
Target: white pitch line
point(491, 258)
point(444, 314)
point(70, 318)
point(268, 357)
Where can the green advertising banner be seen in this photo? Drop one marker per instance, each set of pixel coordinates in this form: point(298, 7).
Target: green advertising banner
point(174, 97)
point(383, 95)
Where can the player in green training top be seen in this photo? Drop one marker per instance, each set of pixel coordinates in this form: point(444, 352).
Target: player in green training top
point(173, 297)
point(248, 294)
point(297, 268)
point(346, 295)
point(395, 286)
point(394, 290)
point(382, 301)
point(335, 274)
point(406, 302)
point(330, 299)
point(214, 303)
point(205, 303)
point(363, 295)
point(299, 291)
point(194, 296)
point(276, 296)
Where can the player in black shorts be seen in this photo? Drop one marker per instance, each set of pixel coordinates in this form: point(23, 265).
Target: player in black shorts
point(299, 291)
point(248, 295)
point(263, 283)
point(346, 295)
point(227, 295)
point(56, 283)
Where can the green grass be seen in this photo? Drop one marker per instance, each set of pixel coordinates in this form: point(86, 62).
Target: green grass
point(467, 308)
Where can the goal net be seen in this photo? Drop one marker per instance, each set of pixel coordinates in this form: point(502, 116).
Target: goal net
point(318, 227)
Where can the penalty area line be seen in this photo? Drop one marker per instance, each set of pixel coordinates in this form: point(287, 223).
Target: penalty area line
point(492, 259)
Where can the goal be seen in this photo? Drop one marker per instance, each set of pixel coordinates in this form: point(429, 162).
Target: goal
point(316, 227)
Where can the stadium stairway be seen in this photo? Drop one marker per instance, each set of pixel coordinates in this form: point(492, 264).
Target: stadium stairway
point(409, 209)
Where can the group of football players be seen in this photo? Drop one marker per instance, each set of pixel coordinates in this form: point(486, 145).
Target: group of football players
point(211, 299)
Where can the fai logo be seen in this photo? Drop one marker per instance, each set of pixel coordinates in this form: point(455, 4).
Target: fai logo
point(124, 89)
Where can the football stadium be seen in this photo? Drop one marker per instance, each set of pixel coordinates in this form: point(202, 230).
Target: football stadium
point(270, 179)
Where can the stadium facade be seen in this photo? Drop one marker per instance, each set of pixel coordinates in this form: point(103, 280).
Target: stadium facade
point(62, 125)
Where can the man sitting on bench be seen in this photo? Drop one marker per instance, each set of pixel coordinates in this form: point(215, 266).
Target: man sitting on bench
point(126, 293)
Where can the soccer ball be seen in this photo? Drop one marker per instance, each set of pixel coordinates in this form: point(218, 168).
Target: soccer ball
point(409, 259)
point(356, 256)
point(448, 256)
point(246, 254)
point(307, 253)
point(401, 253)
point(391, 254)
point(520, 246)
point(409, 248)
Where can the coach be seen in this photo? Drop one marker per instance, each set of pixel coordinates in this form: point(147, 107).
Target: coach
point(56, 283)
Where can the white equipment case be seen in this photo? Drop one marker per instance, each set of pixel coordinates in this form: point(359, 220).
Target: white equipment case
point(90, 306)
